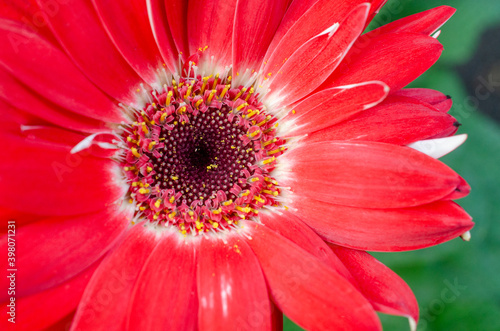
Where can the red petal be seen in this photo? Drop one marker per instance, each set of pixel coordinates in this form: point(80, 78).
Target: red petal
point(294, 31)
point(367, 174)
point(314, 61)
point(28, 13)
point(292, 228)
point(387, 292)
point(43, 309)
point(277, 318)
point(177, 11)
point(255, 23)
point(20, 219)
point(159, 25)
point(20, 96)
point(385, 229)
point(395, 59)
point(128, 27)
point(46, 179)
point(425, 22)
point(303, 20)
point(307, 290)
point(14, 116)
point(435, 98)
point(399, 121)
point(462, 190)
point(80, 32)
point(167, 282)
point(51, 251)
point(231, 288)
point(216, 32)
point(113, 281)
point(23, 51)
point(334, 105)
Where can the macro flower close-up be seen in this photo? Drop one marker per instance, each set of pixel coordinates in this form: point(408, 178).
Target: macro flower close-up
point(215, 165)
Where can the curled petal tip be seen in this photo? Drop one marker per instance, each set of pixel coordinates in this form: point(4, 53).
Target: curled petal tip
point(466, 236)
point(413, 323)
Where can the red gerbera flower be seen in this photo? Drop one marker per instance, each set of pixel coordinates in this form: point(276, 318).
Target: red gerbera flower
point(212, 164)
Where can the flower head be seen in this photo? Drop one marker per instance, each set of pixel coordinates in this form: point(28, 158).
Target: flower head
point(214, 164)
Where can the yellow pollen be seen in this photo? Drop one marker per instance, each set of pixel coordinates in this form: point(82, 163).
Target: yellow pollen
point(259, 199)
point(205, 80)
point(281, 149)
point(243, 105)
point(253, 134)
point(163, 117)
point(224, 91)
point(134, 151)
point(269, 142)
point(216, 80)
point(198, 103)
point(169, 97)
point(264, 121)
point(145, 128)
point(211, 96)
point(249, 93)
point(275, 193)
point(243, 90)
point(269, 160)
point(244, 210)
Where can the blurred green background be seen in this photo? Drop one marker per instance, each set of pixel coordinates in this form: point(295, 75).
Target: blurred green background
point(472, 51)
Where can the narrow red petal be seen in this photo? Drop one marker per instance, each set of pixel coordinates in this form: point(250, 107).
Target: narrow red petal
point(461, 191)
point(177, 11)
point(51, 251)
point(90, 48)
point(168, 280)
point(24, 50)
point(292, 228)
point(385, 229)
point(435, 98)
point(43, 309)
point(255, 23)
point(28, 13)
point(425, 22)
point(307, 290)
point(387, 292)
point(59, 183)
point(159, 25)
point(367, 174)
point(20, 96)
point(128, 27)
point(113, 282)
point(314, 61)
point(216, 32)
point(397, 120)
point(297, 28)
point(334, 105)
point(16, 218)
point(394, 58)
point(231, 288)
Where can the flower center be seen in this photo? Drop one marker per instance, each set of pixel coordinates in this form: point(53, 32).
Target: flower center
point(201, 156)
